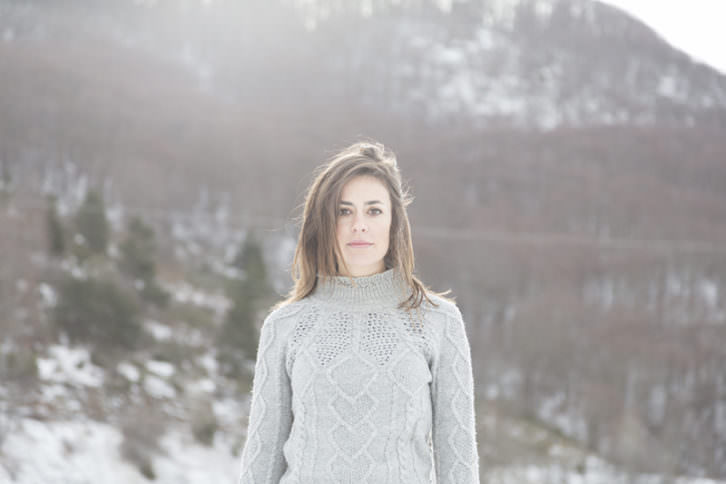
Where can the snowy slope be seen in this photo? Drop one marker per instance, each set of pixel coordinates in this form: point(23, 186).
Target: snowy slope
point(86, 452)
point(79, 452)
point(531, 63)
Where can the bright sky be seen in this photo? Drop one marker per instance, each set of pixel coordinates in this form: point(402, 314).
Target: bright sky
point(693, 26)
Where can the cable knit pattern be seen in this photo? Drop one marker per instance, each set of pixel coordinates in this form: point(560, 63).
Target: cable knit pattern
point(350, 389)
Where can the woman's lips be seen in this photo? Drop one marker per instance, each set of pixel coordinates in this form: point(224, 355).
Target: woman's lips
point(360, 244)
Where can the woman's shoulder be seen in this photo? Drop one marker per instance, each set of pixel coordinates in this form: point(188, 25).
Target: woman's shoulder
point(441, 305)
point(285, 311)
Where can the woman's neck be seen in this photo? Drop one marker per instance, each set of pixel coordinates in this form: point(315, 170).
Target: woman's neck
point(380, 289)
point(362, 271)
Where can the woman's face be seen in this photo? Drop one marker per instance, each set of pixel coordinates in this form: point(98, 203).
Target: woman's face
point(363, 225)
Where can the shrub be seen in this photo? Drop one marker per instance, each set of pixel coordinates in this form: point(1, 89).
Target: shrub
point(238, 338)
point(204, 424)
point(55, 232)
point(137, 251)
point(98, 312)
point(155, 294)
point(92, 224)
point(142, 428)
point(18, 365)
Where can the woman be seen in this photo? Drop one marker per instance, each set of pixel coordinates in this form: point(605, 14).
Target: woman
point(363, 374)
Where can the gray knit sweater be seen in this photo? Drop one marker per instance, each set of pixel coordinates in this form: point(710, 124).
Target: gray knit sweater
point(350, 389)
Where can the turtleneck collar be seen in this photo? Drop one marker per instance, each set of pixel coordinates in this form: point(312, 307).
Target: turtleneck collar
point(385, 288)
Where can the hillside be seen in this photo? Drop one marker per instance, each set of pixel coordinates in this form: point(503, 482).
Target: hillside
point(567, 167)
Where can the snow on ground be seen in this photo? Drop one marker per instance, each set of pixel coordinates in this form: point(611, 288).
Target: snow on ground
point(129, 371)
point(158, 388)
point(48, 294)
point(202, 386)
point(70, 365)
point(160, 332)
point(66, 452)
point(160, 368)
point(208, 362)
point(597, 472)
point(87, 452)
point(194, 463)
point(184, 292)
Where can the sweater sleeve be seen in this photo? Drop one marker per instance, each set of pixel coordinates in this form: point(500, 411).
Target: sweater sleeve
point(452, 396)
point(270, 415)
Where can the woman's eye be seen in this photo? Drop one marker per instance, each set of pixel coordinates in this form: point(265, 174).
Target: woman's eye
point(373, 211)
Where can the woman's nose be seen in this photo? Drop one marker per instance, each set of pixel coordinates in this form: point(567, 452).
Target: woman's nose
point(359, 225)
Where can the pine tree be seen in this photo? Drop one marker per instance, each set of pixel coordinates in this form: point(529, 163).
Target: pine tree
point(98, 312)
point(54, 230)
point(5, 181)
point(251, 262)
point(137, 251)
point(5, 178)
point(239, 337)
point(92, 223)
point(137, 260)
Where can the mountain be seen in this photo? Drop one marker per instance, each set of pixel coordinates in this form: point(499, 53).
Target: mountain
point(523, 63)
point(567, 167)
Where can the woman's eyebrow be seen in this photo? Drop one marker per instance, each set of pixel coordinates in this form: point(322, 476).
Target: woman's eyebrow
point(370, 202)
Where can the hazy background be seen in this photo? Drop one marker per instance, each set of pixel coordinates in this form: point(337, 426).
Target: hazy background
point(568, 167)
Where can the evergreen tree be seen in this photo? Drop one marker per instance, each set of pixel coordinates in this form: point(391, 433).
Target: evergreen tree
point(5, 178)
point(98, 312)
point(5, 181)
point(137, 251)
point(92, 223)
point(251, 262)
point(54, 230)
point(137, 260)
point(239, 337)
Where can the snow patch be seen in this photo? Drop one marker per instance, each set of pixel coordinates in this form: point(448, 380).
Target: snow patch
point(449, 55)
point(205, 385)
point(208, 362)
point(160, 368)
point(128, 371)
point(543, 9)
point(597, 471)
point(160, 332)
point(87, 451)
point(70, 365)
point(667, 86)
point(75, 452)
point(158, 388)
point(709, 292)
point(49, 295)
point(228, 410)
point(184, 292)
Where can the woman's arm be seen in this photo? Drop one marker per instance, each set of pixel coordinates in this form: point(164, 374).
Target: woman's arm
point(452, 397)
point(270, 412)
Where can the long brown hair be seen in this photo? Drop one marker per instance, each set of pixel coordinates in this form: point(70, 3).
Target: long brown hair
point(317, 251)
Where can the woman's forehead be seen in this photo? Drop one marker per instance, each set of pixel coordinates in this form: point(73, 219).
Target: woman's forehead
point(364, 184)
